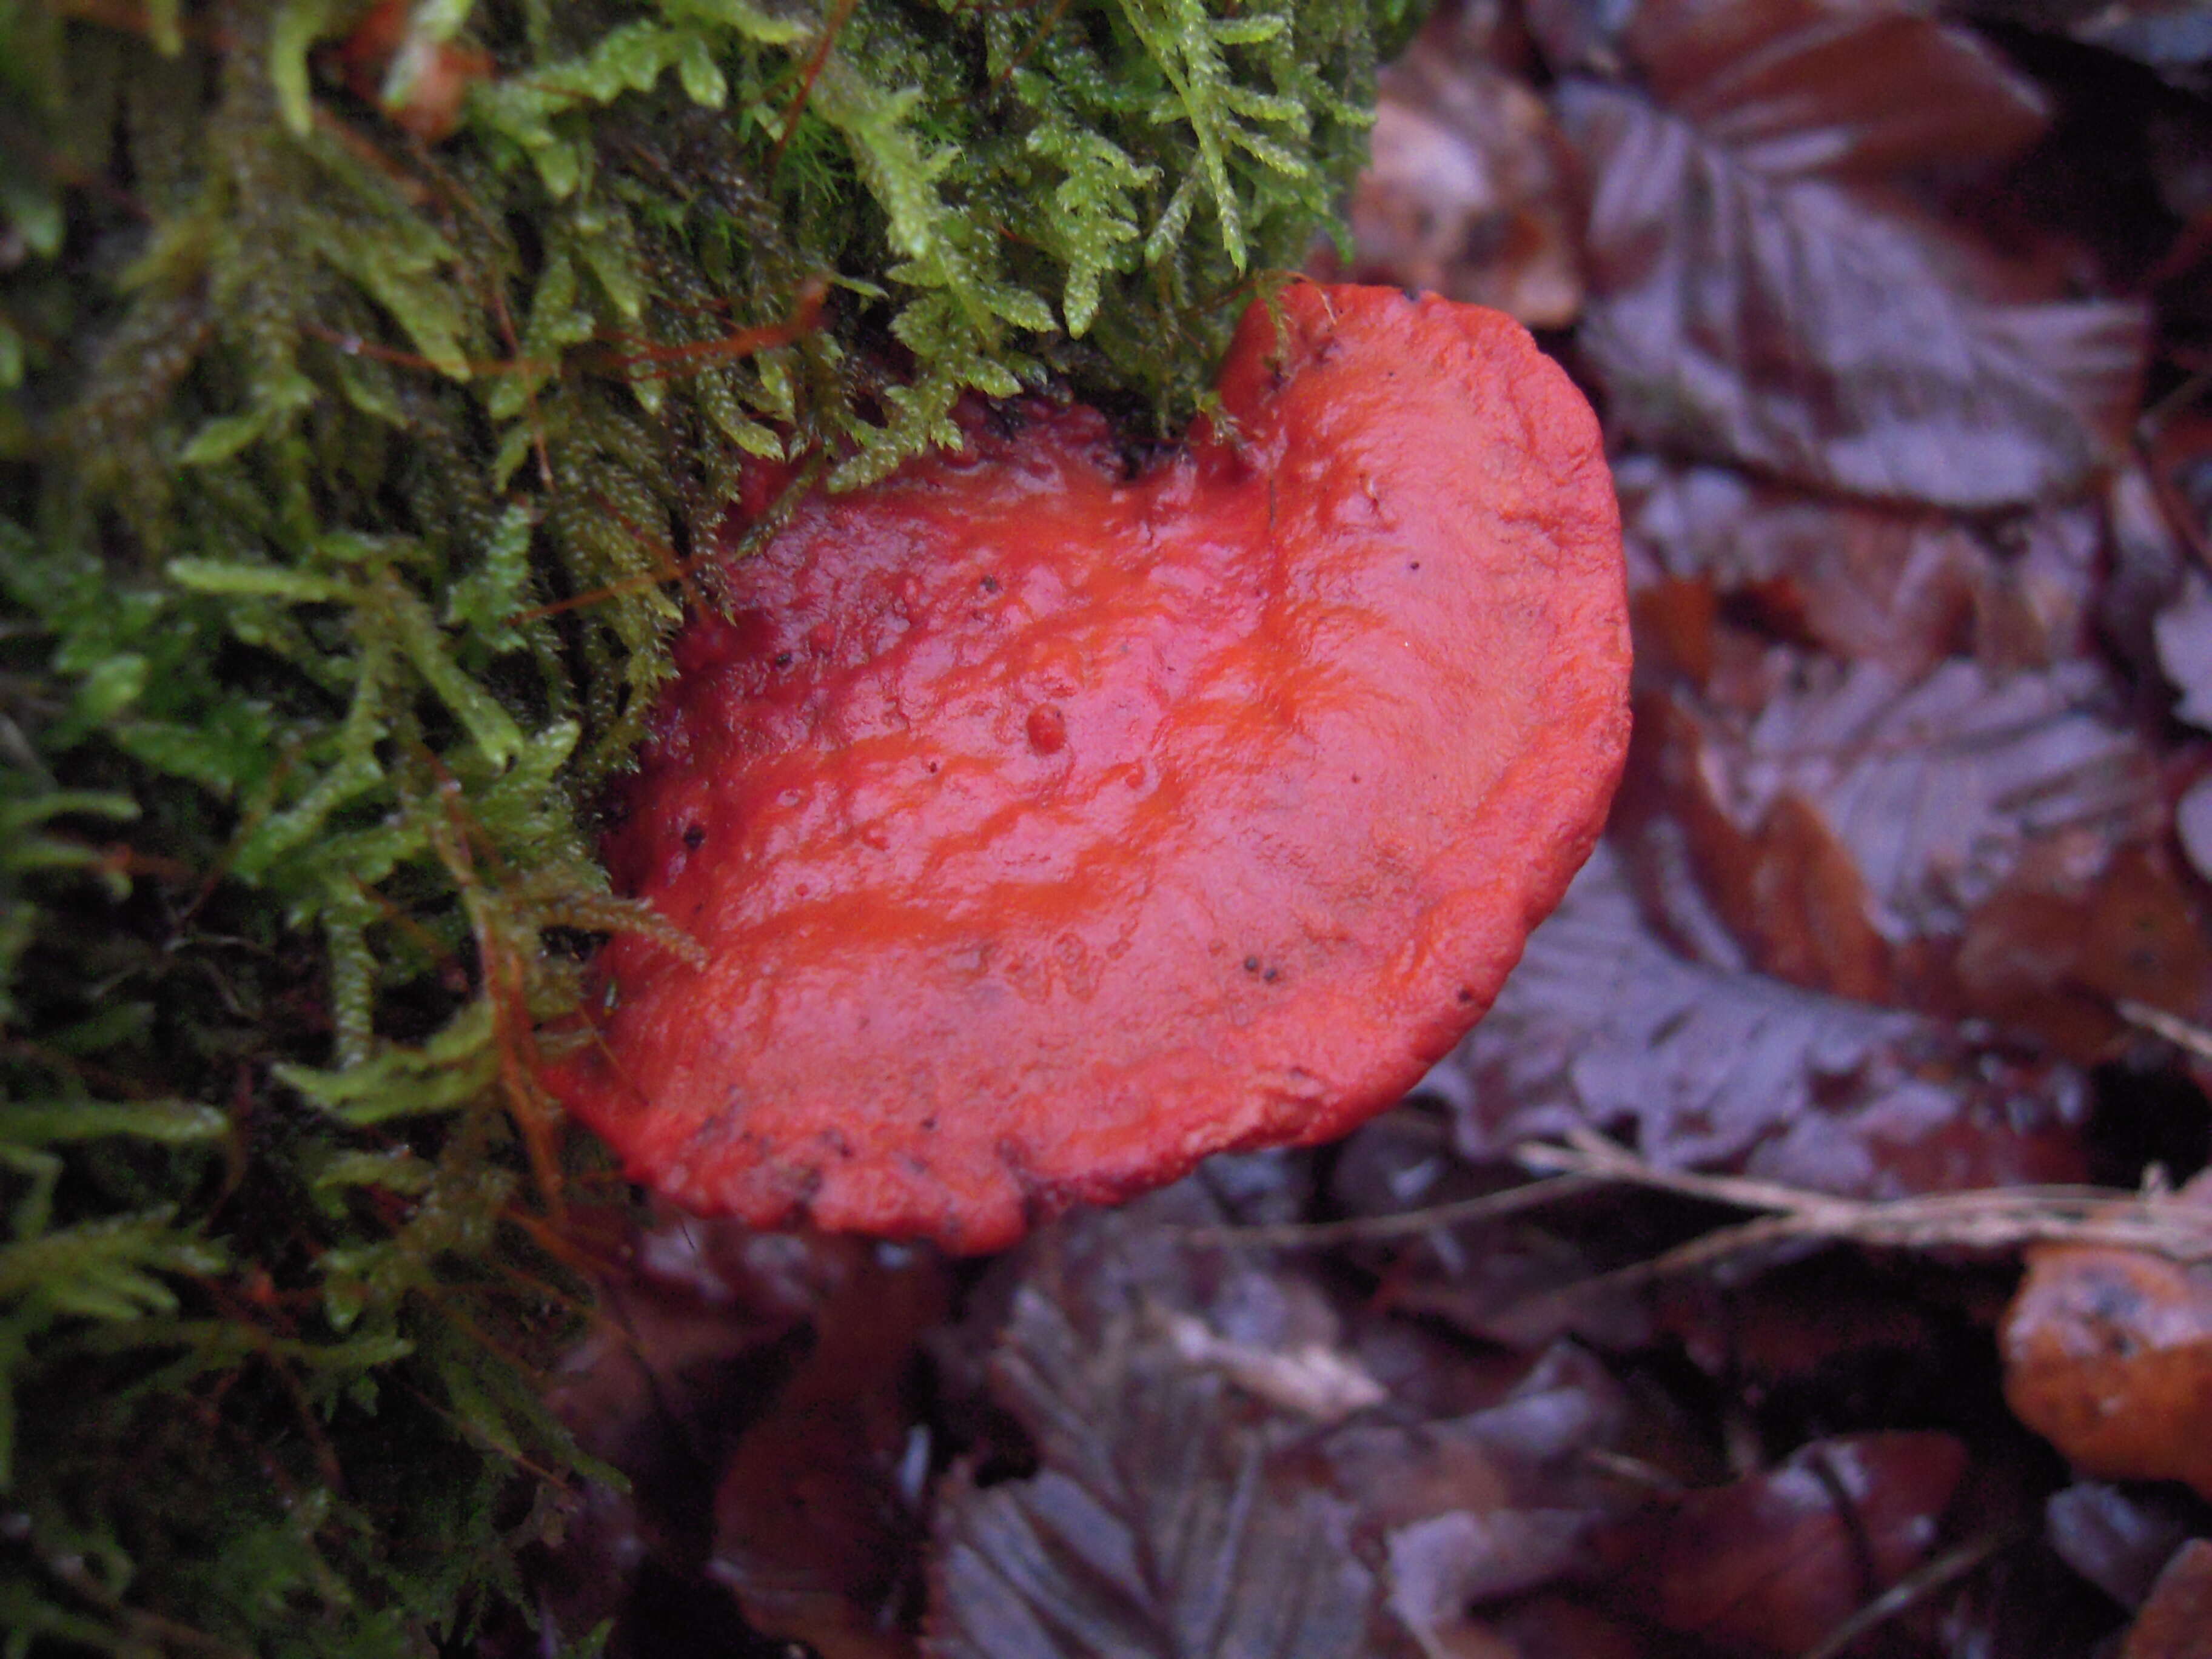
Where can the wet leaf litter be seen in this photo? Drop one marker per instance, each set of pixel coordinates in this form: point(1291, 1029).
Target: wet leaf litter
point(1902, 904)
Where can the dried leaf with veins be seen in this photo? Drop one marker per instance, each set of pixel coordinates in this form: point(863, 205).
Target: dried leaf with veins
point(1166, 1520)
point(1761, 295)
point(1604, 1025)
point(1928, 793)
point(1775, 1561)
point(1491, 1506)
point(1844, 88)
point(1900, 586)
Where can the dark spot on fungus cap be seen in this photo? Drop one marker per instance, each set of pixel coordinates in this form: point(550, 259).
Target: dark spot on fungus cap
point(1014, 968)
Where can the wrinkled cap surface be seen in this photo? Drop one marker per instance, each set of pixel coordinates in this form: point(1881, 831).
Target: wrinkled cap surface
point(1050, 821)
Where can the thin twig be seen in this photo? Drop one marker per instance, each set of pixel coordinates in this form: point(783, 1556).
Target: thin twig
point(840, 14)
point(2181, 1033)
point(1996, 1220)
point(1490, 1207)
point(1042, 31)
point(1917, 1585)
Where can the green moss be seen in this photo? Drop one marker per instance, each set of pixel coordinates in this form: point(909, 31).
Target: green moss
point(345, 480)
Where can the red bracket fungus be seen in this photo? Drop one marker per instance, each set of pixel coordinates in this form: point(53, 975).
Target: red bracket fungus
point(1048, 827)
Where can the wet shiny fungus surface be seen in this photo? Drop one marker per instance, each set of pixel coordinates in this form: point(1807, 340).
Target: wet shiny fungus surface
point(1050, 824)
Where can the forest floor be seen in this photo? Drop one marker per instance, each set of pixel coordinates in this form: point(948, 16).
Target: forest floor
point(1899, 320)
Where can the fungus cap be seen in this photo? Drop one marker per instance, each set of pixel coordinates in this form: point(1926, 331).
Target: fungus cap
point(1049, 823)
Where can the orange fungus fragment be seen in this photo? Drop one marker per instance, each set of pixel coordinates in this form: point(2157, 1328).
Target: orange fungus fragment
point(1050, 822)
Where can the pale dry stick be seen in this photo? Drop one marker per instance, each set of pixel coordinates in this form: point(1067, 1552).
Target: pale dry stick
point(1996, 1219)
point(2179, 1032)
point(1489, 1207)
